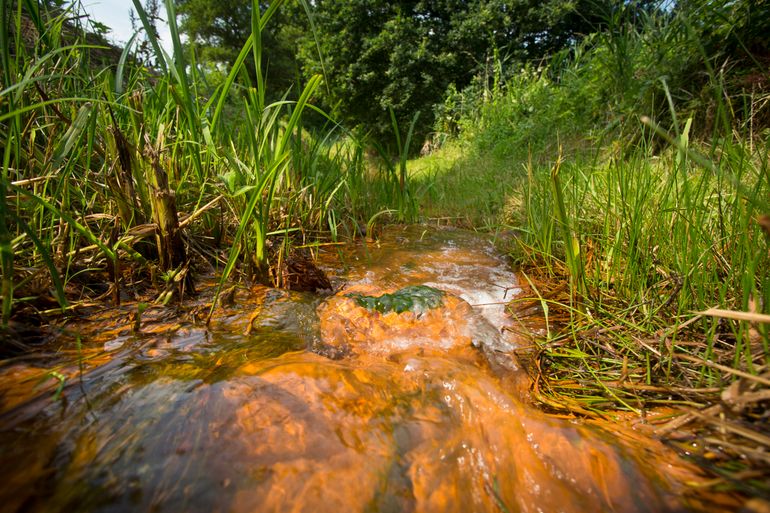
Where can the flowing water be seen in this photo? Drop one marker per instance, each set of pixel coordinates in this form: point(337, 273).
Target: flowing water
point(297, 402)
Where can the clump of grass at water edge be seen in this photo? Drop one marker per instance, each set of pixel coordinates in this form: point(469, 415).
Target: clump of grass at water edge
point(637, 215)
point(120, 180)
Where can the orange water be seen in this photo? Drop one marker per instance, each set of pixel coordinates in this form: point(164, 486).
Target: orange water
point(182, 417)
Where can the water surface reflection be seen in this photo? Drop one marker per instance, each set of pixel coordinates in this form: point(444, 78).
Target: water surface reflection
point(188, 418)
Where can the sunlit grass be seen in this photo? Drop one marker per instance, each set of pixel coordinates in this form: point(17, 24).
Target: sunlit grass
point(650, 211)
point(114, 171)
point(463, 188)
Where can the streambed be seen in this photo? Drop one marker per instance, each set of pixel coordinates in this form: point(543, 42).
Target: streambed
point(256, 413)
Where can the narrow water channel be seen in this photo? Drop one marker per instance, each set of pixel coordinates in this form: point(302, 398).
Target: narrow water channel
point(297, 402)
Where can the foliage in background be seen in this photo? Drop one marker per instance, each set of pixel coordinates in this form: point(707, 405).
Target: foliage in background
point(646, 60)
point(405, 55)
point(386, 55)
point(218, 30)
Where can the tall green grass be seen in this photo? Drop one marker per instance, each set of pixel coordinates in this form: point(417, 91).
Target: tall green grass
point(91, 139)
point(634, 167)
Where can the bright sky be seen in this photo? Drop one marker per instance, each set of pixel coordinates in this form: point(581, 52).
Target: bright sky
point(114, 14)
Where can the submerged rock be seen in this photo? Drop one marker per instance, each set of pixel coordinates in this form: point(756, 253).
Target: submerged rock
point(364, 319)
point(417, 299)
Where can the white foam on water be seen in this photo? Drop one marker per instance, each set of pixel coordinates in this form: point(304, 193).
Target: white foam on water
point(487, 289)
point(458, 262)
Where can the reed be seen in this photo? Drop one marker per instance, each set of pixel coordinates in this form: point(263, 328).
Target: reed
point(100, 155)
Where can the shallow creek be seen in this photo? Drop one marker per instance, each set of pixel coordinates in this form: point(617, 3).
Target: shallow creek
point(286, 402)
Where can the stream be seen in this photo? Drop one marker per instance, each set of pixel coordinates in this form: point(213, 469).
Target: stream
point(300, 402)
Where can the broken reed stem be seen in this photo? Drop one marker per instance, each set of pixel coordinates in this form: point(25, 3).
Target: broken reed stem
point(171, 250)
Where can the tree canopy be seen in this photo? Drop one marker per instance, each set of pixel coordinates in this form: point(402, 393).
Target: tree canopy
point(378, 55)
point(218, 30)
point(404, 55)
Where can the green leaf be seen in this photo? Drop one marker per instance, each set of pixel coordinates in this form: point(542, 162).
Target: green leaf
point(46, 256)
point(122, 64)
point(148, 29)
point(72, 135)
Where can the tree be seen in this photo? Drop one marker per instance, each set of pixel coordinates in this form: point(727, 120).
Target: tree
point(383, 54)
point(404, 55)
point(219, 29)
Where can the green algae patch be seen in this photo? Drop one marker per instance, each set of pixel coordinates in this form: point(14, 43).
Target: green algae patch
point(415, 298)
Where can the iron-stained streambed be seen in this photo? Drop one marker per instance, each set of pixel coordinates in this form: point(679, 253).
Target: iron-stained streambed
point(296, 402)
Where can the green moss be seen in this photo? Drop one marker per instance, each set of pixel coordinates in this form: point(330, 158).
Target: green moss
point(416, 299)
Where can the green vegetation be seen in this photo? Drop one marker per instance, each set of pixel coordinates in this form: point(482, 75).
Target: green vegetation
point(630, 186)
point(383, 55)
point(604, 181)
point(218, 30)
point(416, 299)
point(118, 180)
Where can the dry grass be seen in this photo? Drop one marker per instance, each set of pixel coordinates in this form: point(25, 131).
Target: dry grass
point(716, 411)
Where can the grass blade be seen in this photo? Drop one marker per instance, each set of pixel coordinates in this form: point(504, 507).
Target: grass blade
point(148, 30)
